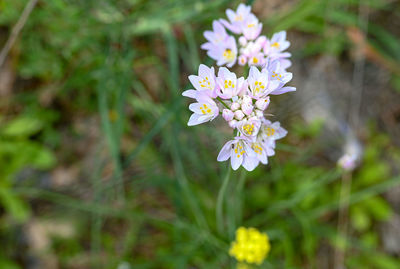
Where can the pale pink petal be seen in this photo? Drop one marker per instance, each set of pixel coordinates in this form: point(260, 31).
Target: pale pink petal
point(190, 94)
point(250, 163)
point(283, 90)
point(225, 152)
point(235, 160)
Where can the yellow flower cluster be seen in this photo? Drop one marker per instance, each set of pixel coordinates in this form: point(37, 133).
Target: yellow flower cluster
point(250, 246)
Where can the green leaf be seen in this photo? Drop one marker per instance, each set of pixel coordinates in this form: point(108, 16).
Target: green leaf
point(379, 208)
point(360, 219)
point(44, 159)
point(13, 205)
point(396, 83)
point(8, 264)
point(22, 126)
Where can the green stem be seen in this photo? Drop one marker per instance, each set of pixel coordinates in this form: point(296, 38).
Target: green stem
point(239, 196)
point(220, 201)
point(222, 102)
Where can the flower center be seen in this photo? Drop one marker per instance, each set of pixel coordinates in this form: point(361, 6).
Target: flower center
point(275, 44)
point(205, 109)
point(239, 150)
point(205, 83)
point(257, 149)
point(228, 84)
point(248, 128)
point(228, 55)
point(277, 76)
point(239, 17)
point(259, 86)
point(270, 131)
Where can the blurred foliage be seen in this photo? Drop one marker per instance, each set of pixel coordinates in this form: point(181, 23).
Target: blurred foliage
point(126, 62)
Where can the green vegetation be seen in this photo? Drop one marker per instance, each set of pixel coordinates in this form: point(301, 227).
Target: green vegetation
point(98, 88)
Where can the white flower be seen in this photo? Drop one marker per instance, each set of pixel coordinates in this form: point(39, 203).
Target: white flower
point(240, 153)
point(260, 151)
point(259, 84)
point(250, 128)
point(277, 44)
point(237, 19)
point(216, 37)
point(204, 110)
point(229, 85)
point(204, 82)
point(224, 53)
point(251, 29)
point(270, 132)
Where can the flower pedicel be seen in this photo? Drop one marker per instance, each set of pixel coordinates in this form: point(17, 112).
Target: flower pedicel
point(242, 101)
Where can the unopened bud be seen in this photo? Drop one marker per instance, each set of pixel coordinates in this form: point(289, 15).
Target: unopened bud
point(227, 114)
point(262, 103)
point(259, 113)
point(239, 114)
point(247, 108)
point(233, 123)
point(242, 41)
point(235, 106)
point(242, 60)
point(247, 99)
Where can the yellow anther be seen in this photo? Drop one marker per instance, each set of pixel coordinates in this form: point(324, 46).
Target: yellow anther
point(228, 54)
point(239, 18)
point(270, 131)
point(275, 44)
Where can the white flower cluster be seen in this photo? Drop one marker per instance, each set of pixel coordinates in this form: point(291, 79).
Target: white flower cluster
point(241, 101)
point(254, 49)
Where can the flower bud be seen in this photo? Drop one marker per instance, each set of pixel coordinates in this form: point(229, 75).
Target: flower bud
point(242, 60)
point(239, 114)
point(253, 118)
point(233, 123)
point(247, 100)
point(262, 103)
point(242, 41)
point(259, 113)
point(247, 108)
point(227, 114)
point(235, 106)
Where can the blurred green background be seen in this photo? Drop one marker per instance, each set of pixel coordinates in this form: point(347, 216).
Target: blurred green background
point(98, 168)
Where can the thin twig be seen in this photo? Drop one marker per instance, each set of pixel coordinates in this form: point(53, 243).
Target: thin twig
point(16, 30)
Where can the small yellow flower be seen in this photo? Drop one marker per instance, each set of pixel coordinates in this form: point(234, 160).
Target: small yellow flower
point(250, 246)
